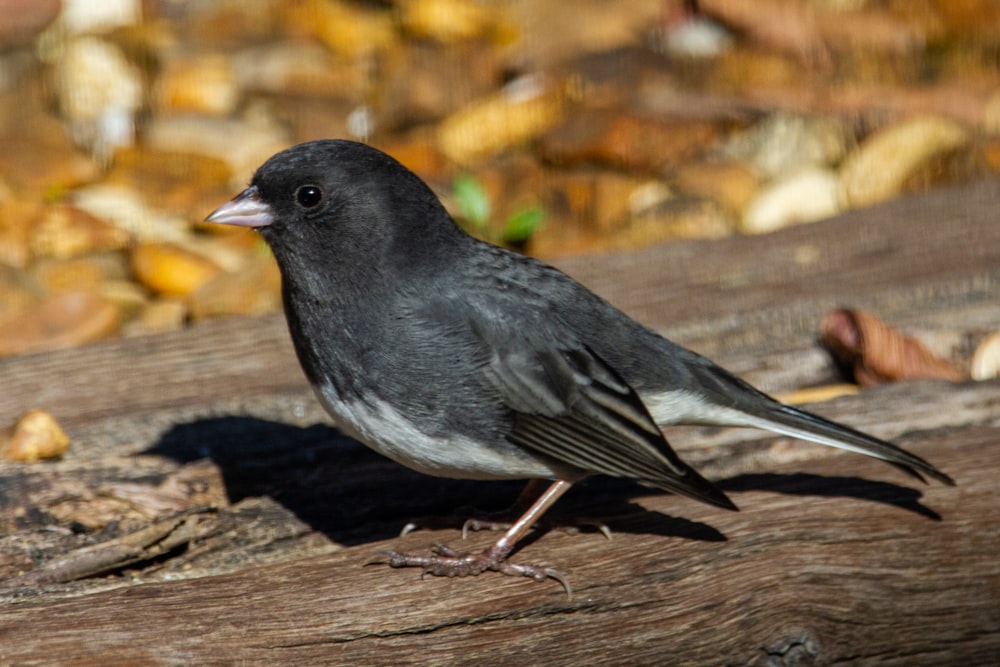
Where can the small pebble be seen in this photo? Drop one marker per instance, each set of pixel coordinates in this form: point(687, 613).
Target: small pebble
point(878, 169)
point(171, 270)
point(986, 359)
point(810, 194)
point(34, 437)
point(59, 321)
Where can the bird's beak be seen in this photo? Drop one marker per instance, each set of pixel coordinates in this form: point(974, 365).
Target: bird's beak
point(247, 209)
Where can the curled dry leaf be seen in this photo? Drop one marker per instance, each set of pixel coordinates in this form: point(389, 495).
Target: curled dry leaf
point(872, 352)
point(35, 436)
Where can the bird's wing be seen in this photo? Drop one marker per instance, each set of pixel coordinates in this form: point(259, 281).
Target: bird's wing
point(570, 405)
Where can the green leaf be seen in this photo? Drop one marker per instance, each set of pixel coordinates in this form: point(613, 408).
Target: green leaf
point(522, 224)
point(472, 200)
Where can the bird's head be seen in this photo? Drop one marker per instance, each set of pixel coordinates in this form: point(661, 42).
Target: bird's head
point(333, 197)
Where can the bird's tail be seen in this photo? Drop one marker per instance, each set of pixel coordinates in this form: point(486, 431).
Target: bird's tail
point(787, 420)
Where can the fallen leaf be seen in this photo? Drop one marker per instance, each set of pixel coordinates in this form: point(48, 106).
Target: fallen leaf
point(872, 352)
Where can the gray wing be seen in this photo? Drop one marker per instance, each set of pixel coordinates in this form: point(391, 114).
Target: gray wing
point(561, 399)
point(570, 405)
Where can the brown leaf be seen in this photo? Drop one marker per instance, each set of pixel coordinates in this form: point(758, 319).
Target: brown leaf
point(872, 352)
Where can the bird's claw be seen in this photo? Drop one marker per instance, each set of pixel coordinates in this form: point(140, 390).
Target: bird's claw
point(447, 562)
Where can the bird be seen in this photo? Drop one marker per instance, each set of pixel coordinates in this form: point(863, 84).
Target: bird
point(462, 359)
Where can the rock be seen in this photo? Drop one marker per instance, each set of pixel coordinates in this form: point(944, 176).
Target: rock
point(523, 110)
point(805, 196)
point(59, 321)
point(203, 84)
point(346, 28)
point(69, 275)
point(63, 231)
point(731, 184)
point(695, 37)
point(170, 270)
point(986, 359)
point(125, 208)
point(23, 20)
point(879, 168)
point(783, 143)
point(19, 290)
point(128, 297)
point(620, 139)
point(298, 69)
point(158, 316)
point(16, 216)
point(991, 114)
point(242, 144)
point(450, 21)
point(671, 219)
point(418, 82)
point(35, 436)
point(182, 183)
point(99, 93)
point(83, 16)
point(255, 289)
point(39, 160)
point(550, 32)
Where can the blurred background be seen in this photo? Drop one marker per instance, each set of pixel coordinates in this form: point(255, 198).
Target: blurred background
point(555, 128)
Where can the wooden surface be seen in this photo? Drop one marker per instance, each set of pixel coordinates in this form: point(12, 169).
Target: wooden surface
point(207, 515)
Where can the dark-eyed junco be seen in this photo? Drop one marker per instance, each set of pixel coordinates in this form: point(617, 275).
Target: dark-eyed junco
point(461, 359)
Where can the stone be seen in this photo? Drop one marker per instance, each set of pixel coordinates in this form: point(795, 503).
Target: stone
point(346, 28)
point(449, 21)
point(59, 321)
point(254, 289)
point(243, 144)
point(621, 139)
point(181, 184)
point(157, 316)
point(880, 166)
point(19, 290)
point(34, 437)
point(23, 20)
point(125, 207)
point(62, 231)
point(99, 93)
point(170, 270)
point(297, 68)
point(806, 195)
point(523, 110)
point(68, 275)
point(986, 358)
point(204, 84)
point(730, 183)
point(783, 143)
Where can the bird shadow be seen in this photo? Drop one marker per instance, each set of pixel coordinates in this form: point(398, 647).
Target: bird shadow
point(831, 486)
point(354, 496)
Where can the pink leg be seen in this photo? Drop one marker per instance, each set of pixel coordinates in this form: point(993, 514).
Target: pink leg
point(446, 562)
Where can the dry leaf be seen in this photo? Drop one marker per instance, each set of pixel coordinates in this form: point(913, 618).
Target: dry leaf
point(872, 352)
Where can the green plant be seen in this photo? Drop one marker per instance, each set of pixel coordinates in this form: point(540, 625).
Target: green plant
point(476, 210)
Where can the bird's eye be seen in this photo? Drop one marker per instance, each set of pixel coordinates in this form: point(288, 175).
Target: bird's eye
point(308, 196)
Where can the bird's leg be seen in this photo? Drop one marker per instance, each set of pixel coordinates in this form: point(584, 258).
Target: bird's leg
point(447, 562)
point(503, 519)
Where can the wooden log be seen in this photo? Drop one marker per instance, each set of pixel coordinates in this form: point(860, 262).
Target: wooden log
point(260, 560)
point(819, 568)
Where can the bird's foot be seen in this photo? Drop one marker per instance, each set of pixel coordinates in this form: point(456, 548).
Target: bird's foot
point(447, 562)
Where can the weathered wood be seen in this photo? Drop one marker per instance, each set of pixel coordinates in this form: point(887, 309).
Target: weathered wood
point(248, 527)
point(818, 567)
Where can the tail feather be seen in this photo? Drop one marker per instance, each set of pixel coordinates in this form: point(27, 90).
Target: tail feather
point(797, 423)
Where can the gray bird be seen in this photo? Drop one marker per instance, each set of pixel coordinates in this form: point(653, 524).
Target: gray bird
point(461, 359)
